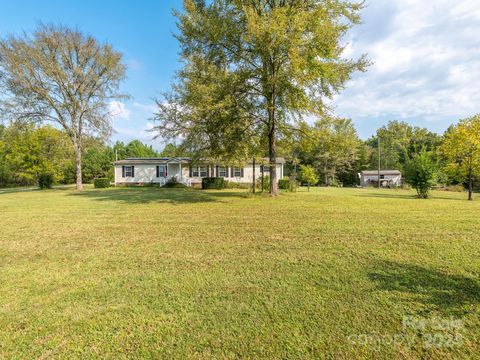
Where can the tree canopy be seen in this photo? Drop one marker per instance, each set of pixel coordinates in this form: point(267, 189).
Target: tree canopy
point(252, 68)
point(62, 76)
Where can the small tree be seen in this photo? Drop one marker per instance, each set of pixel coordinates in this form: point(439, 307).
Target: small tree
point(308, 175)
point(461, 150)
point(420, 173)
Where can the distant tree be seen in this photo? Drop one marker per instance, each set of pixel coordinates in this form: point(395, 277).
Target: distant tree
point(252, 68)
point(63, 76)
point(399, 142)
point(420, 173)
point(27, 151)
point(331, 146)
point(308, 175)
point(172, 150)
point(461, 151)
point(136, 148)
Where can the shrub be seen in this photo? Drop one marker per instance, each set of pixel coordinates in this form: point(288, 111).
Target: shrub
point(101, 183)
point(284, 184)
point(266, 183)
point(308, 175)
point(173, 183)
point(235, 185)
point(213, 183)
point(420, 173)
point(453, 188)
point(45, 180)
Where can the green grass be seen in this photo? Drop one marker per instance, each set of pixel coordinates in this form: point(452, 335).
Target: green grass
point(174, 273)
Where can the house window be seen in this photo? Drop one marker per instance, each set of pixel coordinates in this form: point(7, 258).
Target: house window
point(195, 171)
point(237, 172)
point(382, 177)
point(265, 168)
point(203, 171)
point(222, 171)
point(128, 171)
point(161, 171)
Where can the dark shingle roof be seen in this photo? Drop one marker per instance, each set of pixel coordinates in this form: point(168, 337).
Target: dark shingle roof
point(157, 160)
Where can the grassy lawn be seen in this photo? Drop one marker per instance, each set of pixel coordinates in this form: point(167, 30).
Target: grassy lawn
point(148, 272)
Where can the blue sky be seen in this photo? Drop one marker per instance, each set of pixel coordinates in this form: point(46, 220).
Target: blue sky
point(426, 57)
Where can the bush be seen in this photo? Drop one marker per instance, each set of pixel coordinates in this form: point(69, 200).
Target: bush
point(213, 183)
point(284, 184)
point(420, 173)
point(45, 180)
point(453, 188)
point(235, 185)
point(266, 183)
point(173, 183)
point(101, 183)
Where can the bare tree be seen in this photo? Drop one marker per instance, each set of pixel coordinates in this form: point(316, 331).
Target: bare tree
point(62, 76)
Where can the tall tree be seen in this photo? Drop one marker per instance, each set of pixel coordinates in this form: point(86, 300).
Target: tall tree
point(63, 76)
point(331, 145)
point(254, 66)
point(461, 150)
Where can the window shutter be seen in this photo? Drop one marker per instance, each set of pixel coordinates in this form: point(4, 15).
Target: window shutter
point(158, 171)
point(226, 171)
point(241, 172)
point(216, 171)
point(190, 171)
point(232, 172)
point(208, 171)
point(133, 171)
point(123, 171)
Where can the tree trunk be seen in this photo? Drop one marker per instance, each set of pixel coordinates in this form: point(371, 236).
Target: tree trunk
point(253, 188)
point(78, 166)
point(470, 186)
point(272, 153)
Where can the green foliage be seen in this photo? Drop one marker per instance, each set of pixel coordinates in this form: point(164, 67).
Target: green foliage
point(331, 146)
point(283, 184)
point(266, 183)
point(420, 173)
point(101, 183)
point(45, 180)
point(235, 185)
point(251, 68)
point(213, 183)
point(308, 175)
point(61, 75)
point(461, 150)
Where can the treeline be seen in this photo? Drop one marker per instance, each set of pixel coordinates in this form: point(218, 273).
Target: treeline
point(27, 151)
point(332, 148)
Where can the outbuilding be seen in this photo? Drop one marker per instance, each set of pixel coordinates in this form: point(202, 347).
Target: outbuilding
point(388, 178)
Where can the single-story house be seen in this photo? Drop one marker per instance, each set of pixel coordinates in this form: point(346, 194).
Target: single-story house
point(388, 178)
point(140, 171)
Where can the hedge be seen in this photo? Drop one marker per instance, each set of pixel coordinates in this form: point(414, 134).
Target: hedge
point(213, 183)
point(101, 183)
point(45, 180)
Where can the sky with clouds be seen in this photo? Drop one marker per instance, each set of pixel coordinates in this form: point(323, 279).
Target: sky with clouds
point(425, 57)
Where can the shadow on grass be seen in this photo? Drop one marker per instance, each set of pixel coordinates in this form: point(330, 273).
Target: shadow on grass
point(437, 291)
point(156, 195)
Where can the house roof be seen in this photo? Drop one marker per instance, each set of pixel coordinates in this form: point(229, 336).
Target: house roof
point(382, 172)
point(164, 160)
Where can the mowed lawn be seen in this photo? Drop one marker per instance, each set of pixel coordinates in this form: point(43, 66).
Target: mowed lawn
point(173, 273)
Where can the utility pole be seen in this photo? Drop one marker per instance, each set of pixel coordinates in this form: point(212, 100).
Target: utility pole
point(379, 162)
point(116, 155)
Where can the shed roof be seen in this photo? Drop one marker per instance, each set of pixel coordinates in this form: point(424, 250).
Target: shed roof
point(382, 172)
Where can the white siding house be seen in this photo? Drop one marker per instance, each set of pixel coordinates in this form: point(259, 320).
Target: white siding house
point(388, 178)
point(142, 171)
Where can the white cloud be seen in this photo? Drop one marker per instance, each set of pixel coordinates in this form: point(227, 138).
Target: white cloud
point(426, 58)
point(118, 110)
